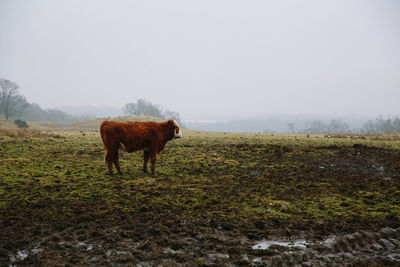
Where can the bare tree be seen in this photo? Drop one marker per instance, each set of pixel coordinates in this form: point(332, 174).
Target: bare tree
point(143, 107)
point(12, 104)
point(382, 125)
point(337, 126)
point(130, 109)
point(316, 127)
point(172, 115)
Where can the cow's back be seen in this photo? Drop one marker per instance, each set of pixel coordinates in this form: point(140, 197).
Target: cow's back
point(133, 135)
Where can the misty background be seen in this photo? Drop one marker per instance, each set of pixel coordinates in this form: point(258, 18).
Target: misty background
point(222, 65)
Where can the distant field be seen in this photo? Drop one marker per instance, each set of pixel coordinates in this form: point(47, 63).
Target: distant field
point(90, 125)
point(215, 194)
point(87, 125)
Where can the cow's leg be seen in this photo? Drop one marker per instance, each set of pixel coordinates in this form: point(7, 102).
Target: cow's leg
point(153, 162)
point(116, 163)
point(146, 156)
point(109, 157)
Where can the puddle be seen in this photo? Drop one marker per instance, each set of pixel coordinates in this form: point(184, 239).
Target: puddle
point(83, 244)
point(257, 260)
point(120, 252)
point(329, 242)
point(171, 251)
point(218, 255)
point(265, 244)
point(23, 254)
point(20, 256)
point(300, 243)
point(111, 252)
point(108, 253)
point(394, 256)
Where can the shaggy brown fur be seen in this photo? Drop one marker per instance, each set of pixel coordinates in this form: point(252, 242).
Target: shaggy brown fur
point(133, 136)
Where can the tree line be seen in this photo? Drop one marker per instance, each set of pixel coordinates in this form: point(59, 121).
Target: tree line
point(319, 127)
point(145, 108)
point(15, 106)
point(12, 104)
point(382, 125)
point(379, 125)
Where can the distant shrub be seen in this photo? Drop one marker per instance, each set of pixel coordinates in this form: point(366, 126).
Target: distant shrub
point(28, 133)
point(13, 132)
point(8, 132)
point(375, 137)
point(21, 124)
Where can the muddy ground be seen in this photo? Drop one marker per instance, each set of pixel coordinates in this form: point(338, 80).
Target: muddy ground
point(214, 199)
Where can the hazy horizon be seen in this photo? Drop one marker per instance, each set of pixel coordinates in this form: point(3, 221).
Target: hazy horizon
point(110, 111)
point(208, 58)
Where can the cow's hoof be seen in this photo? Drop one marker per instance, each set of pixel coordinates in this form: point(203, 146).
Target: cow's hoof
point(111, 174)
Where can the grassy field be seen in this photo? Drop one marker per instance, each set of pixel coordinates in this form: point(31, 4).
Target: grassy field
point(8, 127)
point(242, 185)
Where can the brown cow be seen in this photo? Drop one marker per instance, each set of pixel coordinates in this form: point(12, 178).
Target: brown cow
point(132, 136)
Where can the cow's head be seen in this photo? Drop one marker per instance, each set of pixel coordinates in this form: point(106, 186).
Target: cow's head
point(177, 131)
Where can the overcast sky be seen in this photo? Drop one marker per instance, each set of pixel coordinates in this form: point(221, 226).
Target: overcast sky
point(204, 58)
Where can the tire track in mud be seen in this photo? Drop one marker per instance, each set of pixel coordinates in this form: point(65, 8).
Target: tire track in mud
point(350, 249)
point(117, 248)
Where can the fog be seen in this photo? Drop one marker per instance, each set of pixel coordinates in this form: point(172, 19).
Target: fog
point(206, 59)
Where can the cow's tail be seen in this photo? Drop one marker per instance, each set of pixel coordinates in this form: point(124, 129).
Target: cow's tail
point(102, 134)
point(104, 139)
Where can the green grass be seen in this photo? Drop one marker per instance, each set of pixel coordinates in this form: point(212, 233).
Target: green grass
point(92, 125)
point(245, 177)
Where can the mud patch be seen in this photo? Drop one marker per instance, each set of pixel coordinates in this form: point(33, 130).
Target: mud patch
point(213, 201)
point(119, 248)
point(265, 244)
point(358, 247)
